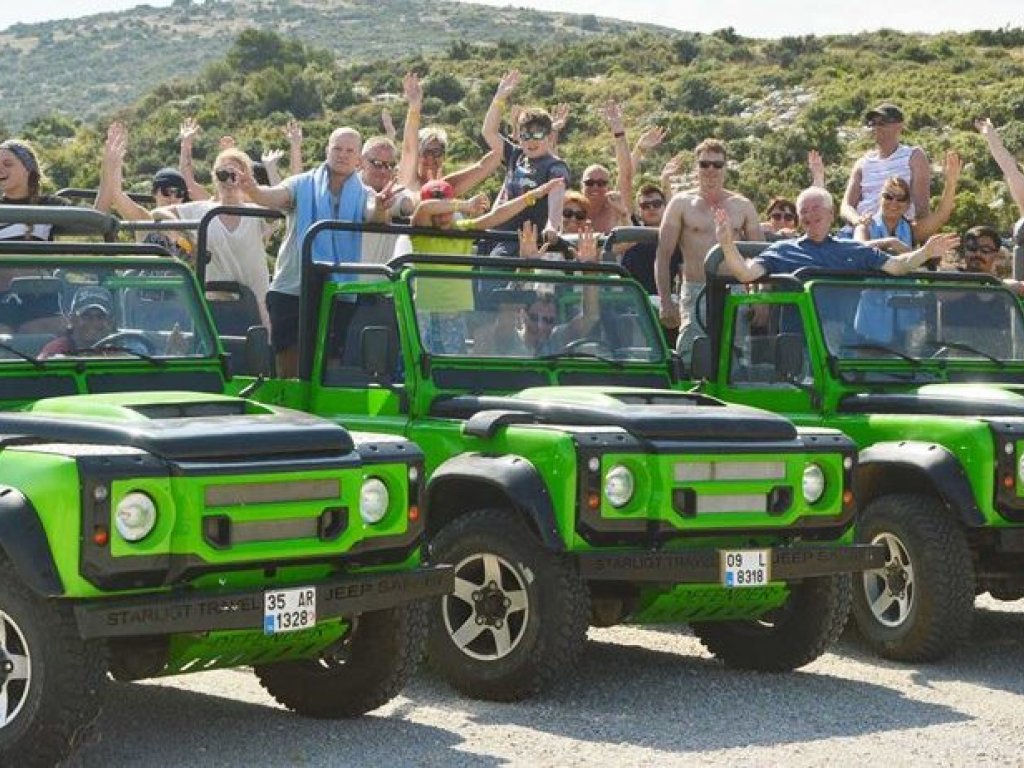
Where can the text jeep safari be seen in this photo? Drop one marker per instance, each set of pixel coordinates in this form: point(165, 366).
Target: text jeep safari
point(151, 525)
point(925, 373)
point(567, 483)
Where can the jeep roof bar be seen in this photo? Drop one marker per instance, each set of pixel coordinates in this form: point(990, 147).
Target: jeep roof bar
point(505, 263)
point(70, 219)
point(33, 248)
point(77, 193)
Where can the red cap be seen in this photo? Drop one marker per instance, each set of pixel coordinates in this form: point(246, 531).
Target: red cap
point(437, 190)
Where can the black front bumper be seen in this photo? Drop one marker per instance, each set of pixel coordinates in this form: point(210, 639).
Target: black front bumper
point(173, 613)
point(702, 566)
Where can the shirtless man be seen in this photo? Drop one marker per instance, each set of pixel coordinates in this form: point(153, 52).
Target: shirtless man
point(689, 224)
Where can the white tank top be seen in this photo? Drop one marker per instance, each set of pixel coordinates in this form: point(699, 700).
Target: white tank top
point(875, 170)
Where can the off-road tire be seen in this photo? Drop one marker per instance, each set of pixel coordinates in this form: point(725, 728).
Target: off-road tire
point(789, 637)
point(551, 637)
point(66, 677)
point(381, 654)
point(940, 610)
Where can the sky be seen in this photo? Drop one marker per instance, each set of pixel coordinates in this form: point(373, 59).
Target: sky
point(750, 18)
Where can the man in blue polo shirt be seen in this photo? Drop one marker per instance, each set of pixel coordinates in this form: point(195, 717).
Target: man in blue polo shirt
point(817, 248)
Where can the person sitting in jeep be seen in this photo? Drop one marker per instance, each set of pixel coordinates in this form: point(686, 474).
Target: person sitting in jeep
point(90, 320)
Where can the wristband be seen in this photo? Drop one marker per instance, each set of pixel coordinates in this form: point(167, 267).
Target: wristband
point(529, 198)
point(619, 134)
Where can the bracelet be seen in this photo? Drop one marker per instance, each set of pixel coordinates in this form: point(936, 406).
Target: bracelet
point(499, 100)
point(619, 134)
point(530, 198)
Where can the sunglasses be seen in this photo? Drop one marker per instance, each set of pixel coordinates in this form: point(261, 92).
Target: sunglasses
point(569, 213)
point(975, 248)
point(595, 182)
point(544, 319)
point(223, 175)
point(537, 134)
point(717, 164)
point(169, 190)
point(431, 152)
point(878, 122)
point(783, 216)
point(898, 198)
point(651, 205)
point(381, 165)
point(94, 315)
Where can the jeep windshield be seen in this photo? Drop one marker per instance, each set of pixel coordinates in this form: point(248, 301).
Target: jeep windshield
point(473, 314)
point(91, 309)
point(919, 322)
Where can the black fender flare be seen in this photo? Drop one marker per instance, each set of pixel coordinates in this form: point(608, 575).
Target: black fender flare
point(882, 467)
point(510, 478)
point(24, 542)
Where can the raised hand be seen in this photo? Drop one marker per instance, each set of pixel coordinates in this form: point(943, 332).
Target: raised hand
point(388, 123)
point(528, 240)
point(189, 130)
point(412, 89)
point(612, 114)
point(477, 205)
point(942, 243)
point(651, 138)
point(984, 126)
point(817, 168)
point(293, 132)
point(508, 83)
point(952, 166)
point(116, 145)
point(559, 117)
point(226, 142)
point(586, 244)
point(272, 157)
point(723, 227)
point(673, 167)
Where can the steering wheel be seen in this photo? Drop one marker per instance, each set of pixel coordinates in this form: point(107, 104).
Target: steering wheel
point(600, 347)
point(133, 341)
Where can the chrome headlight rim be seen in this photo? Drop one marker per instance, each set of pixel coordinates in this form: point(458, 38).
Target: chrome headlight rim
point(812, 484)
point(135, 516)
point(374, 500)
point(619, 485)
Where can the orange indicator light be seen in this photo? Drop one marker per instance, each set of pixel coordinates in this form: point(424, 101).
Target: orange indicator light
point(100, 536)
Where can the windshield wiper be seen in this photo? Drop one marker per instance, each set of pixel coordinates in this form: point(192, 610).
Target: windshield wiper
point(873, 347)
point(581, 354)
point(39, 364)
point(941, 344)
point(128, 350)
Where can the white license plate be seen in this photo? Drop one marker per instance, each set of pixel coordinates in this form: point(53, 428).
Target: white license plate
point(289, 610)
point(746, 567)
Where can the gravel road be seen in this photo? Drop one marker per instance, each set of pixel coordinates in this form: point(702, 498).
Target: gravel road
point(641, 696)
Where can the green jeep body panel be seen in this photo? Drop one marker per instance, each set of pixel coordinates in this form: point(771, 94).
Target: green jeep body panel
point(249, 499)
point(528, 439)
point(925, 373)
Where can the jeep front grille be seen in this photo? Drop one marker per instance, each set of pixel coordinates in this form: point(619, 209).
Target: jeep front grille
point(242, 494)
point(699, 471)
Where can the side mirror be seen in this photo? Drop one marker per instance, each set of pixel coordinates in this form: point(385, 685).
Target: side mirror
point(258, 357)
point(789, 356)
point(702, 360)
point(377, 352)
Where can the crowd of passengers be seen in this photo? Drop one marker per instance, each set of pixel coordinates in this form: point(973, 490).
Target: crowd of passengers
point(886, 216)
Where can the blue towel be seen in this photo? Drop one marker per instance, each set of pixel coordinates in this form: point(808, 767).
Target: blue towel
point(903, 232)
point(315, 203)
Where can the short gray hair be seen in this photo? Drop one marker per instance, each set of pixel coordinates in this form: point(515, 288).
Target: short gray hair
point(815, 193)
point(378, 141)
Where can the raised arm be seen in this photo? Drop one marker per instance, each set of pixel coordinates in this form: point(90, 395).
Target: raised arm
point(612, 114)
point(111, 194)
point(466, 178)
point(411, 131)
point(920, 183)
point(270, 159)
point(189, 130)
point(648, 140)
point(293, 132)
point(559, 119)
point(1006, 162)
point(671, 168)
point(933, 249)
point(510, 208)
point(492, 120)
point(817, 168)
point(927, 225)
point(278, 197)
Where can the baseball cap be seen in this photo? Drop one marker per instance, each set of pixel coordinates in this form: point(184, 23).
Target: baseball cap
point(437, 189)
point(92, 297)
point(886, 111)
point(170, 177)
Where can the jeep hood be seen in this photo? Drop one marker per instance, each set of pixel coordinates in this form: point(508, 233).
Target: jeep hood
point(176, 426)
point(648, 413)
point(980, 399)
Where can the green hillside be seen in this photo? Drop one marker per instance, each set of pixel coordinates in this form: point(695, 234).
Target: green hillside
point(88, 66)
point(771, 100)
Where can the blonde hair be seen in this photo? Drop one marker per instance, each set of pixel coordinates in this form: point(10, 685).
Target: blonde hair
point(233, 153)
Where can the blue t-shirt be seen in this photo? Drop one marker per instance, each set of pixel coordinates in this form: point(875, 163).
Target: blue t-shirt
point(786, 256)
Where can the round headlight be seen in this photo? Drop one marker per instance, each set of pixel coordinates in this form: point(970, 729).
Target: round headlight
point(618, 486)
point(373, 500)
point(135, 516)
point(1020, 469)
point(813, 484)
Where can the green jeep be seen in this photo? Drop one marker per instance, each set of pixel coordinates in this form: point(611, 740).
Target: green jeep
point(567, 482)
point(925, 373)
point(152, 525)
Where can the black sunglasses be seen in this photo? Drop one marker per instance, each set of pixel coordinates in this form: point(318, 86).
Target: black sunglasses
point(651, 205)
point(223, 175)
point(783, 215)
point(973, 247)
point(569, 213)
point(168, 189)
point(381, 165)
point(595, 182)
point(705, 164)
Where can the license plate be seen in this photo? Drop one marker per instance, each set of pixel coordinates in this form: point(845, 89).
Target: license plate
point(289, 610)
point(746, 567)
